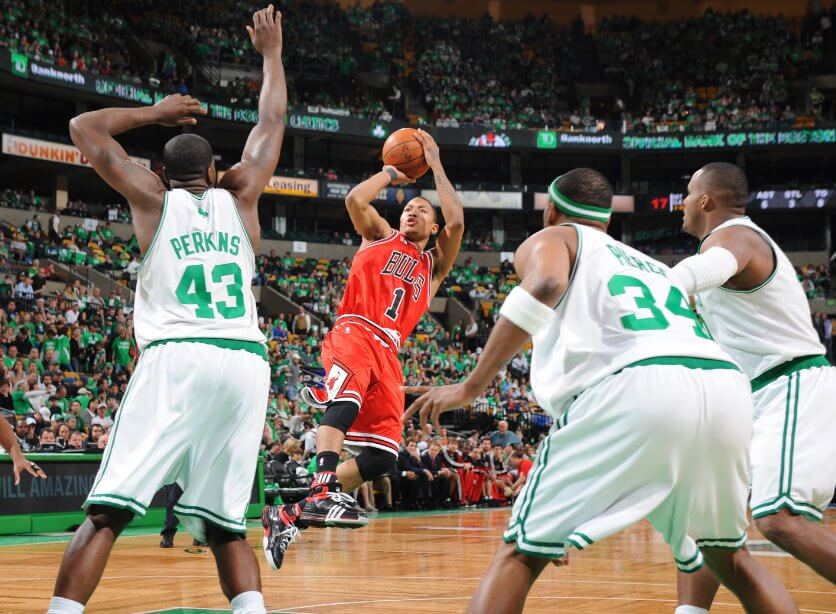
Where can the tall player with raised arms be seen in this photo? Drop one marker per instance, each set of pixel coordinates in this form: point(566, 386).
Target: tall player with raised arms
point(390, 285)
point(194, 410)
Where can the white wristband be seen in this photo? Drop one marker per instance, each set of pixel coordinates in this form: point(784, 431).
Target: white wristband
point(526, 311)
point(705, 271)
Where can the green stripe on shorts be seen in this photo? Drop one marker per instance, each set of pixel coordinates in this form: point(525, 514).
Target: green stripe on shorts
point(254, 347)
point(787, 368)
point(118, 501)
point(800, 508)
point(684, 361)
point(725, 543)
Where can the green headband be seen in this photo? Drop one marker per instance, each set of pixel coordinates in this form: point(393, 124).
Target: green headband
point(575, 209)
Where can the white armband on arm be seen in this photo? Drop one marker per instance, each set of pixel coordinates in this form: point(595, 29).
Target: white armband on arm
point(525, 311)
point(705, 271)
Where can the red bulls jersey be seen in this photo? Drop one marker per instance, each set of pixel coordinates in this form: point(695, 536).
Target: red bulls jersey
point(389, 286)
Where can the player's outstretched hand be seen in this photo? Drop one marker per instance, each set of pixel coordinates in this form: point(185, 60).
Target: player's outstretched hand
point(431, 154)
point(21, 465)
point(266, 31)
point(177, 110)
point(401, 178)
point(433, 402)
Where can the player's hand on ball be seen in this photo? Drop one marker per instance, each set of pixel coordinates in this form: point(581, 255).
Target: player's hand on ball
point(177, 110)
point(431, 154)
point(400, 179)
point(266, 31)
point(435, 401)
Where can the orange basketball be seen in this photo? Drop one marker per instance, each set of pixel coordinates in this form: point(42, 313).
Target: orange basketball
point(405, 153)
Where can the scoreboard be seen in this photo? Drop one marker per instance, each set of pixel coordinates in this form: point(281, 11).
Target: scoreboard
point(790, 199)
point(760, 200)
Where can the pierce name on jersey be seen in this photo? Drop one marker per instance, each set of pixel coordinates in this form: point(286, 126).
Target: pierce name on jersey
point(621, 308)
point(195, 280)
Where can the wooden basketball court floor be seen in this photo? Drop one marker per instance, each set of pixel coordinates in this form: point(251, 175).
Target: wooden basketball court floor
point(403, 562)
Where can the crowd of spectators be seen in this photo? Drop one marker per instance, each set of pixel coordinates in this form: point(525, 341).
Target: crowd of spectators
point(70, 35)
point(815, 280)
point(442, 470)
point(721, 71)
point(507, 74)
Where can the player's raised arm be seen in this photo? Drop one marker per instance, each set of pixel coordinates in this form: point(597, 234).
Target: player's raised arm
point(93, 134)
point(450, 238)
point(246, 180)
point(543, 264)
point(8, 441)
point(368, 223)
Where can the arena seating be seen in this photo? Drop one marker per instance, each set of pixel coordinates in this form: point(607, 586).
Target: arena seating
point(507, 74)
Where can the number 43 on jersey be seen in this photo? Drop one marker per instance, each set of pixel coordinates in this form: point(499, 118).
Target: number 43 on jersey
point(192, 291)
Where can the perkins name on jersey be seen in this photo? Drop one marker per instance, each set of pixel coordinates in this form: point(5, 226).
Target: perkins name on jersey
point(199, 242)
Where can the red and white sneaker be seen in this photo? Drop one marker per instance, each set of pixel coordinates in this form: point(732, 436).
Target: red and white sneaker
point(279, 532)
point(327, 506)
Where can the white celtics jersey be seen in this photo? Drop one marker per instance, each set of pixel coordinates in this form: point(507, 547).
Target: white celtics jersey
point(766, 326)
point(621, 308)
point(195, 279)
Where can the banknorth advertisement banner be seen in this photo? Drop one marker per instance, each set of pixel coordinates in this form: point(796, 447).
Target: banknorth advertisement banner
point(480, 200)
point(335, 121)
point(49, 151)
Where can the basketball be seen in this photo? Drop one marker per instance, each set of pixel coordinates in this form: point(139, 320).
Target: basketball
point(403, 151)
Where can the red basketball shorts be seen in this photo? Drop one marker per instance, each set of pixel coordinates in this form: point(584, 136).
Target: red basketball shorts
point(361, 368)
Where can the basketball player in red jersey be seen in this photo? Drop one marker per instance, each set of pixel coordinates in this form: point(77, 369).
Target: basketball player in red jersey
point(390, 285)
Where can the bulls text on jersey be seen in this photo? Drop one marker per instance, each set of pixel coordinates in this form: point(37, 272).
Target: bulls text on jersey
point(402, 266)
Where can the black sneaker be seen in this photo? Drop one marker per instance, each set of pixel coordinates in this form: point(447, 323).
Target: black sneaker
point(197, 543)
point(167, 541)
point(326, 506)
point(279, 533)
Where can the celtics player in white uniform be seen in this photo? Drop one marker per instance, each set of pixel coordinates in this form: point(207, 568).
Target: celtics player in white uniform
point(193, 412)
point(652, 418)
point(746, 290)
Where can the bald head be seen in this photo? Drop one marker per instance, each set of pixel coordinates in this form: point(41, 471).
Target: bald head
point(187, 157)
point(725, 184)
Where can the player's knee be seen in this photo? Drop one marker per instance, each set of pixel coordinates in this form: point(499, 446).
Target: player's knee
point(340, 415)
point(216, 536)
point(373, 463)
point(778, 528)
point(112, 518)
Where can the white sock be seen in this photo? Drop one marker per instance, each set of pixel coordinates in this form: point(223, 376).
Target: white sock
point(59, 605)
point(251, 602)
point(690, 609)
